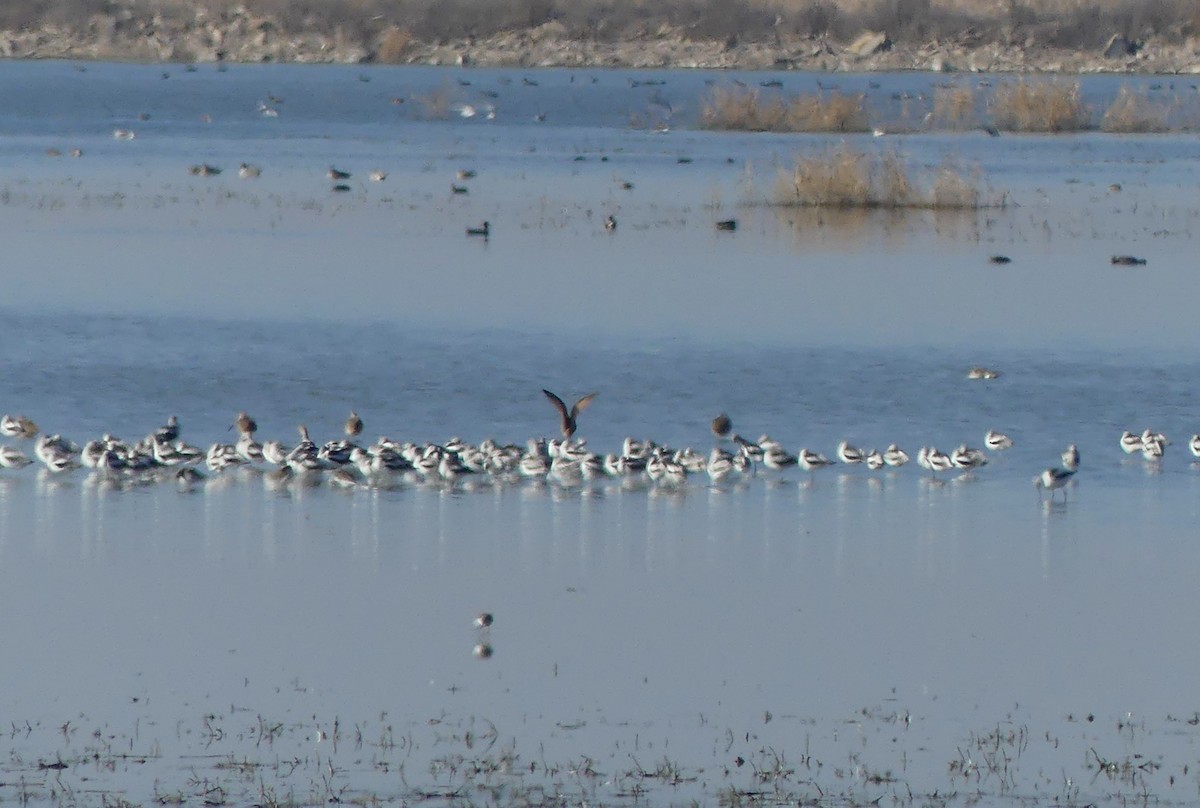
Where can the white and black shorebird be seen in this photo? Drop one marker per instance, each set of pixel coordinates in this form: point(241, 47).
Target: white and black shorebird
point(1130, 443)
point(568, 417)
point(811, 461)
point(849, 454)
point(997, 441)
point(1052, 480)
point(894, 456)
point(167, 432)
point(967, 458)
point(930, 458)
point(1194, 445)
point(17, 426)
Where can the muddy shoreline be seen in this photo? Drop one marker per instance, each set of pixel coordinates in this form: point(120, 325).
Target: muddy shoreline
point(246, 38)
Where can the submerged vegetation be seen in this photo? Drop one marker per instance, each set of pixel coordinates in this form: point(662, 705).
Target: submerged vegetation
point(846, 178)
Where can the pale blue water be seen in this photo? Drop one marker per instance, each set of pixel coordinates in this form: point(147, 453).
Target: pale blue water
point(858, 625)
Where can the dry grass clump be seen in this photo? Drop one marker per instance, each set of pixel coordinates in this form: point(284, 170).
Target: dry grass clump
point(954, 188)
point(1134, 111)
point(954, 108)
point(394, 45)
point(844, 178)
point(748, 110)
point(1040, 106)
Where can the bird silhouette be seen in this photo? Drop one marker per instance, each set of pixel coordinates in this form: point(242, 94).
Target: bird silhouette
point(569, 416)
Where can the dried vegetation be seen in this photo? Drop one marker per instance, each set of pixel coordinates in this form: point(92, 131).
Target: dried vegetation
point(370, 23)
point(745, 109)
point(846, 178)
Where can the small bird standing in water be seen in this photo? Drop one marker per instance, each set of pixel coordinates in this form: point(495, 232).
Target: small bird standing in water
point(354, 425)
point(245, 425)
point(569, 416)
point(721, 426)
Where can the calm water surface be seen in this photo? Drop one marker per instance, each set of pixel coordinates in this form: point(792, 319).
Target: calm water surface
point(846, 636)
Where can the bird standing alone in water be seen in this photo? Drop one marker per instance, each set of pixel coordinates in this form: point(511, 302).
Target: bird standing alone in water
point(354, 425)
point(245, 425)
point(721, 426)
point(569, 416)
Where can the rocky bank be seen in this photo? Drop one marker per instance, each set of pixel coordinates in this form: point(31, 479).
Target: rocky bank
point(240, 36)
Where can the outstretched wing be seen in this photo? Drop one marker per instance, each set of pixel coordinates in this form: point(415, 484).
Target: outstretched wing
point(581, 404)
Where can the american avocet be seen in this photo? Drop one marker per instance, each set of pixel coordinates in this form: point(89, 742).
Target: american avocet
point(987, 374)
point(656, 467)
point(535, 466)
point(692, 461)
point(777, 459)
point(343, 478)
point(13, 458)
point(377, 175)
point(997, 441)
point(894, 456)
point(811, 461)
point(610, 224)
point(168, 431)
point(123, 134)
point(849, 454)
point(965, 457)
point(275, 452)
point(874, 460)
point(936, 461)
point(568, 417)
point(248, 448)
point(248, 172)
point(720, 465)
point(188, 476)
point(751, 450)
point(1070, 458)
point(17, 426)
point(1194, 445)
point(221, 456)
point(1152, 449)
point(1150, 435)
point(1052, 480)
point(1130, 442)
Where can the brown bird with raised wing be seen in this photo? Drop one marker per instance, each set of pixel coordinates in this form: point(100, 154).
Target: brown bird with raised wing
point(569, 416)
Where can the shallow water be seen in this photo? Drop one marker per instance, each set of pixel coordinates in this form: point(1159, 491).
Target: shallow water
point(847, 635)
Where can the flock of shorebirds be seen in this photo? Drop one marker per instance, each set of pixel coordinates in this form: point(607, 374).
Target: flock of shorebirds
point(566, 461)
point(344, 462)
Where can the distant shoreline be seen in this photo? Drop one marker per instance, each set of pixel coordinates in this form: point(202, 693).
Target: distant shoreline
point(261, 40)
